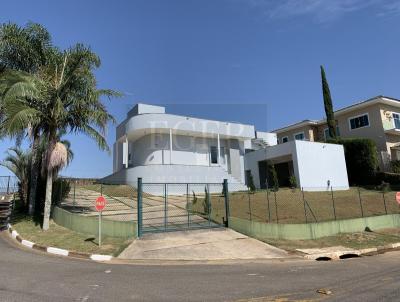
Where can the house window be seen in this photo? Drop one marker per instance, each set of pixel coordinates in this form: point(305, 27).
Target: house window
point(214, 154)
point(326, 133)
point(359, 121)
point(396, 120)
point(222, 154)
point(285, 139)
point(299, 136)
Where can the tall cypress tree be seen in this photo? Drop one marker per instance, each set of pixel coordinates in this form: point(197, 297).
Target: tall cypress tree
point(330, 118)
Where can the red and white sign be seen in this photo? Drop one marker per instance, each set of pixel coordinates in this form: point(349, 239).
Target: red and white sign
point(398, 197)
point(100, 203)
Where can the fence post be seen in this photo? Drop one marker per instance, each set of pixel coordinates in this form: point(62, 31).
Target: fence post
point(8, 185)
point(361, 207)
point(269, 210)
point(165, 207)
point(248, 197)
point(188, 206)
point(304, 203)
point(227, 209)
point(139, 207)
point(333, 203)
point(276, 208)
point(384, 201)
point(61, 191)
point(74, 202)
point(208, 198)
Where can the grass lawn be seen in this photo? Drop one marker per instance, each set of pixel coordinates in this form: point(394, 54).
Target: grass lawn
point(58, 236)
point(111, 190)
point(352, 240)
point(287, 206)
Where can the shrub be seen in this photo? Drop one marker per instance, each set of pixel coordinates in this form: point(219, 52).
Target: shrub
point(293, 181)
point(361, 159)
point(206, 203)
point(273, 178)
point(61, 189)
point(395, 164)
point(250, 184)
point(384, 177)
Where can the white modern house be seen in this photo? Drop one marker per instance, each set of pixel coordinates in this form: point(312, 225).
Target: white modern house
point(161, 147)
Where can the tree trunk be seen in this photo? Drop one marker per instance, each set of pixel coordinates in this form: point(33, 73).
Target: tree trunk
point(34, 174)
point(49, 182)
point(47, 203)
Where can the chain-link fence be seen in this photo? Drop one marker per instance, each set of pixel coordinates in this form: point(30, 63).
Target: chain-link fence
point(181, 206)
point(298, 206)
point(8, 190)
point(8, 185)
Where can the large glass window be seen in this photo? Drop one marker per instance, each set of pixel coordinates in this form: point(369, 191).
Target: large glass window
point(214, 154)
point(396, 120)
point(359, 121)
point(299, 136)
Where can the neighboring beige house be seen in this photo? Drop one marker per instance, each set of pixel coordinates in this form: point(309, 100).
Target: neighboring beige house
point(377, 118)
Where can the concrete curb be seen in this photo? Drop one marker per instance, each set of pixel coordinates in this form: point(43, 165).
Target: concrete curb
point(367, 251)
point(55, 250)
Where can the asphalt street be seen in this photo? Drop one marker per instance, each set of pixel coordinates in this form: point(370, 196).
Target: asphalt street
point(27, 275)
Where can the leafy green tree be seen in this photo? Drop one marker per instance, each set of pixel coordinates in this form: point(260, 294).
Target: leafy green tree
point(19, 162)
point(330, 118)
point(25, 49)
point(69, 100)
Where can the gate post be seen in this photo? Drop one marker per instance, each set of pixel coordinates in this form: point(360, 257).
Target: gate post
point(139, 207)
point(227, 210)
point(8, 185)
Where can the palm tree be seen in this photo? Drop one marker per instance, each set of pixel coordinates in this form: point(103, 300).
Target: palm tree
point(19, 162)
point(25, 49)
point(69, 101)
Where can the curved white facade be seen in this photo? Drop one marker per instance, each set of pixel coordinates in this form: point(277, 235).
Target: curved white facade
point(162, 147)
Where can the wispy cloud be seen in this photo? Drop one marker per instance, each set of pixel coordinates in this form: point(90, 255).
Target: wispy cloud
point(323, 10)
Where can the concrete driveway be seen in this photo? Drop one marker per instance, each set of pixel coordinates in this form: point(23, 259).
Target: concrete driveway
point(209, 244)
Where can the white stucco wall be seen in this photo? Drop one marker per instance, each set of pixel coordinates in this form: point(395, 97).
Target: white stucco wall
point(269, 137)
point(319, 163)
point(313, 163)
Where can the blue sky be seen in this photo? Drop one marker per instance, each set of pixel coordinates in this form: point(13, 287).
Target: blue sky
point(258, 58)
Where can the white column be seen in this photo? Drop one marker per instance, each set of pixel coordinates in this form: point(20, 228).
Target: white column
point(170, 146)
point(219, 150)
point(125, 152)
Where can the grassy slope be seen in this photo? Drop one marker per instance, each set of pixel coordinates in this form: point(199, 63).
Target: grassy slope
point(61, 237)
point(351, 240)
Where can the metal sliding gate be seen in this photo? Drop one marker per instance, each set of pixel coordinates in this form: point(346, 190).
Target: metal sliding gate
point(166, 207)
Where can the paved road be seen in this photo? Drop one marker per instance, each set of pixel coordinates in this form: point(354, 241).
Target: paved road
point(30, 276)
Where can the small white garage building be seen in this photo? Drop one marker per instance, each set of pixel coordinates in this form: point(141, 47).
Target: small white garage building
point(317, 166)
